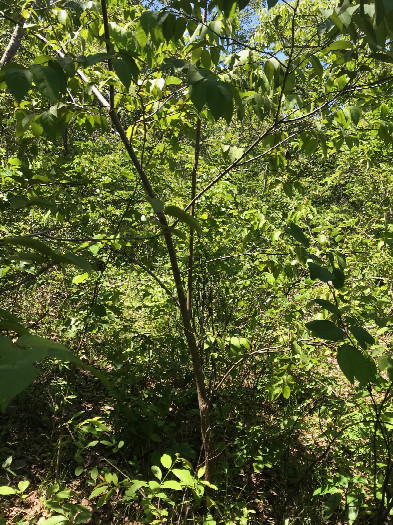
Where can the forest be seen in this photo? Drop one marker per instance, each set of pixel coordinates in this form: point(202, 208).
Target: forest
point(196, 262)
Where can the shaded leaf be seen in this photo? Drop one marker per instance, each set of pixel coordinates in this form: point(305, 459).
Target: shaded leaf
point(354, 364)
point(178, 213)
point(326, 330)
point(18, 80)
point(297, 233)
point(327, 305)
point(363, 337)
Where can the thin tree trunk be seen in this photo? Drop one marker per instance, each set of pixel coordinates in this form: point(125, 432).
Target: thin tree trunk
point(13, 45)
point(189, 333)
point(192, 213)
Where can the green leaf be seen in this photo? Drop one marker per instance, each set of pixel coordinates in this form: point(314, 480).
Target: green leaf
point(354, 364)
point(68, 64)
point(17, 371)
point(171, 484)
point(339, 45)
point(327, 305)
point(219, 99)
point(339, 278)
point(148, 21)
point(332, 503)
point(176, 65)
point(201, 472)
point(7, 491)
point(55, 520)
point(385, 362)
point(184, 476)
point(326, 330)
point(80, 278)
point(197, 94)
point(156, 471)
point(49, 124)
point(22, 485)
point(156, 204)
point(47, 80)
point(98, 490)
point(126, 70)
point(355, 114)
point(363, 337)
point(90, 60)
point(166, 461)
point(297, 233)
point(341, 260)
point(18, 80)
point(178, 213)
point(320, 272)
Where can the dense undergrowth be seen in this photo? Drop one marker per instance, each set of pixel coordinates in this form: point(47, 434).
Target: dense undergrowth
point(224, 363)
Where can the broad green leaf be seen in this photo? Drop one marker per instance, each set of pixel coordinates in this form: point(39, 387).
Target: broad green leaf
point(166, 461)
point(171, 484)
point(13, 326)
point(49, 124)
point(185, 476)
point(195, 75)
point(176, 65)
point(22, 485)
point(126, 70)
point(320, 272)
point(178, 213)
point(98, 491)
point(90, 60)
point(47, 80)
point(68, 64)
point(355, 114)
point(331, 504)
point(201, 472)
point(354, 364)
point(76, 260)
point(156, 471)
point(341, 260)
point(363, 337)
point(29, 242)
point(219, 99)
point(17, 371)
point(7, 491)
point(55, 520)
point(339, 278)
point(340, 44)
point(327, 305)
point(135, 487)
point(80, 278)
point(197, 93)
point(148, 21)
point(18, 80)
point(297, 233)
point(385, 362)
point(156, 204)
point(326, 330)
point(205, 59)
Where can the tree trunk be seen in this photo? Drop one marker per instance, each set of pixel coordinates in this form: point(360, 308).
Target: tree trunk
point(13, 45)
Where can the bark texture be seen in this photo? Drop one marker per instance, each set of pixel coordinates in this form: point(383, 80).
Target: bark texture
point(13, 45)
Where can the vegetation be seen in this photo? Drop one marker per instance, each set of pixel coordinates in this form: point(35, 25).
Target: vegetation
point(196, 262)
